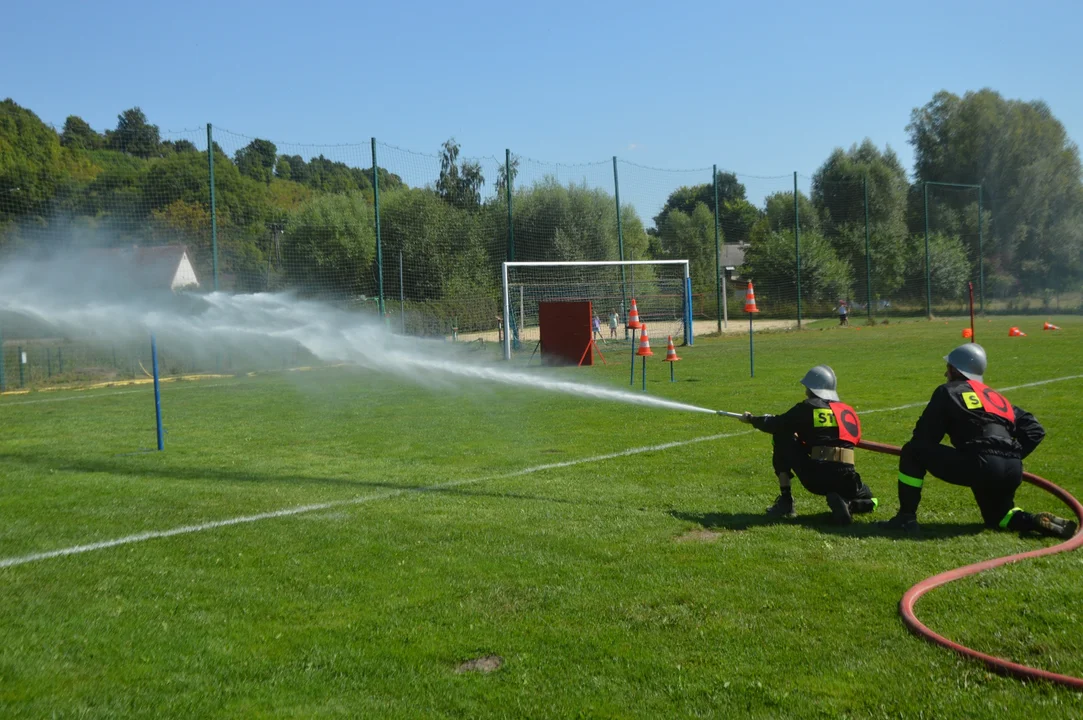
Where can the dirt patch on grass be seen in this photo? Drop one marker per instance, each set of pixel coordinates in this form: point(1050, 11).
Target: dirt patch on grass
point(698, 536)
point(485, 664)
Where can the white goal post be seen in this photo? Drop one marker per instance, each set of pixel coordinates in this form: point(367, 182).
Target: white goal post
point(662, 289)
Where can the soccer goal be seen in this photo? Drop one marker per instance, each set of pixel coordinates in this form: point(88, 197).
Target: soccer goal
point(662, 290)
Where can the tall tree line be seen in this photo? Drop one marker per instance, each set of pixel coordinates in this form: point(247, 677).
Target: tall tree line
point(308, 224)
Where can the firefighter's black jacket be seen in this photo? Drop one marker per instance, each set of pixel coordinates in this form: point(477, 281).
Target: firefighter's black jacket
point(973, 428)
point(812, 421)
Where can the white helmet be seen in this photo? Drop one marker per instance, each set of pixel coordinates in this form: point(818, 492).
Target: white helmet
point(821, 382)
point(969, 360)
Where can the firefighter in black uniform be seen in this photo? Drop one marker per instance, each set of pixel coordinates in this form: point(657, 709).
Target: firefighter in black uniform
point(815, 440)
point(990, 438)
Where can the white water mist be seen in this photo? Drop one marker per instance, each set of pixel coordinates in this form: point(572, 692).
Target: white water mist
point(83, 302)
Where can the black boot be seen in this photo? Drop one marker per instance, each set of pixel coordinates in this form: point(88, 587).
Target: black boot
point(863, 505)
point(908, 522)
point(1058, 527)
point(783, 508)
point(840, 509)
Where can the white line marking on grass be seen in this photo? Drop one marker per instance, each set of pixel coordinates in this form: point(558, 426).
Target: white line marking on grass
point(90, 395)
point(1006, 389)
point(287, 512)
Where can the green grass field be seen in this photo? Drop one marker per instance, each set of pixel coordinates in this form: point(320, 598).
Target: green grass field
point(456, 521)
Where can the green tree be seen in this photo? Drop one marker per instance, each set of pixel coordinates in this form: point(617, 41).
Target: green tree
point(949, 268)
point(438, 241)
point(690, 236)
point(177, 146)
point(685, 198)
point(257, 160)
point(134, 135)
point(459, 183)
point(778, 214)
point(295, 165)
point(770, 262)
point(502, 176)
point(283, 169)
point(33, 165)
point(329, 245)
point(838, 196)
point(573, 222)
point(1028, 167)
point(78, 135)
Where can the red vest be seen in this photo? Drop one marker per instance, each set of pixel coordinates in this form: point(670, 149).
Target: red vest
point(991, 401)
point(849, 425)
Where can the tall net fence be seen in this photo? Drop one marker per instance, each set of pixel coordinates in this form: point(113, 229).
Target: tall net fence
point(418, 238)
point(943, 254)
point(838, 256)
point(665, 215)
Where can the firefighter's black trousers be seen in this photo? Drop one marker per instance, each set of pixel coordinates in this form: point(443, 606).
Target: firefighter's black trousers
point(992, 478)
point(819, 477)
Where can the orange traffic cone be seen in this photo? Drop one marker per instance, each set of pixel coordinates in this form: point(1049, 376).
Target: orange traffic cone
point(750, 300)
point(671, 352)
point(1049, 326)
point(633, 317)
point(644, 342)
point(1016, 332)
point(968, 333)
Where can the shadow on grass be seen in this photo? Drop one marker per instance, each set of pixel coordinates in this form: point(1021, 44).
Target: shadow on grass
point(821, 522)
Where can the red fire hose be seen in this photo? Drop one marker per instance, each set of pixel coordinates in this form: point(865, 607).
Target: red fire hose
point(911, 596)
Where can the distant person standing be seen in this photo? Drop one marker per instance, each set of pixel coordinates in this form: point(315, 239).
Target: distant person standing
point(844, 313)
point(596, 328)
point(613, 319)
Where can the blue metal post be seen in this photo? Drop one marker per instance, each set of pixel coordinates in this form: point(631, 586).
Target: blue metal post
point(751, 361)
point(689, 328)
point(644, 373)
point(632, 374)
point(157, 393)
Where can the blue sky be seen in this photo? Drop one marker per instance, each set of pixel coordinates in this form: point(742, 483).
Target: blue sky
point(759, 88)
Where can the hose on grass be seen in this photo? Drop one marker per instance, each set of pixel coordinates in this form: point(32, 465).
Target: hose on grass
point(911, 596)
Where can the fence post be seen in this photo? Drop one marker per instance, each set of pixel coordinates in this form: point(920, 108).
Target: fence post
point(214, 214)
point(19, 359)
point(3, 382)
point(868, 257)
point(928, 274)
point(797, 245)
point(981, 259)
point(620, 248)
point(379, 243)
point(511, 229)
point(717, 251)
point(402, 297)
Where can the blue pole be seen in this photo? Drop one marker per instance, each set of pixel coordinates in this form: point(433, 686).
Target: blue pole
point(632, 374)
point(751, 361)
point(157, 393)
point(671, 371)
point(644, 373)
point(689, 330)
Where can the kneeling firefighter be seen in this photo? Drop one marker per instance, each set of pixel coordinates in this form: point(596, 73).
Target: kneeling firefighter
point(815, 441)
point(990, 438)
